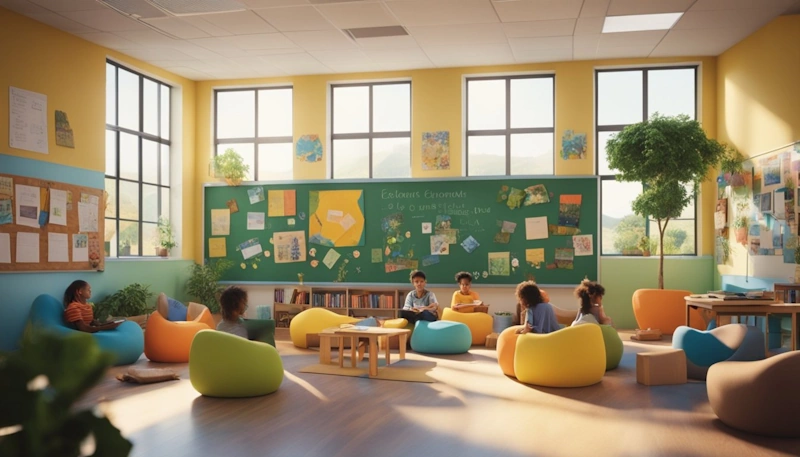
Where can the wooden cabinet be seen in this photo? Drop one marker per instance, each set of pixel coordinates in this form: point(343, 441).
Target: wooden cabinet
point(788, 293)
point(383, 303)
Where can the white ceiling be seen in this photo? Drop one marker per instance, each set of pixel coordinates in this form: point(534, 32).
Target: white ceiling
point(260, 38)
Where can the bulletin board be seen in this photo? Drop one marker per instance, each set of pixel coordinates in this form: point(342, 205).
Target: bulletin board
point(77, 245)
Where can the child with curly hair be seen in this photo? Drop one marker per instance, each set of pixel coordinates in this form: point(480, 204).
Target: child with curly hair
point(591, 294)
point(540, 317)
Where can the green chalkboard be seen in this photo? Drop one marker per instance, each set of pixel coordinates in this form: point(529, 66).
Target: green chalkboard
point(392, 238)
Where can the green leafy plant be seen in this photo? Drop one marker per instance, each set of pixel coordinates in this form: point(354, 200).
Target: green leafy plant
point(731, 163)
point(39, 384)
point(741, 221)
point(231, 166)
point(724, 248)
point(166, 239)
point(132, 300)
point(670, 156)
point(644, 245)
point(203, 284)
point(797, 254)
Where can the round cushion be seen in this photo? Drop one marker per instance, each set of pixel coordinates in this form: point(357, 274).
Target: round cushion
point(570, 357)
point(313, 321)
point(441, 337)
point(480, 324)
point(614, 347)
point(225, 365)
point(506, 348)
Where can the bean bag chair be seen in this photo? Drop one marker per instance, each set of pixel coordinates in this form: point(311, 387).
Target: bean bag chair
point(166, 341)
point(729, 342)
point(758, 397)
point(175, 311)
point(126, 342)
point(441, 337)
point(570, 357)
point(225, 365)
point(613, 344)
point(261, 330)
point(664, 309)
point(306, 325)
point(480, 324)
point(506, 348)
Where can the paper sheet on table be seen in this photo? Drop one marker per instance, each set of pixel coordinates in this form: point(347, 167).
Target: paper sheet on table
point(80, 247)
point(5, 248)
point(28, 200)
point(87, 217)
point(57, 247)
point(58, 207)
point(27, 247)
point(536, 228)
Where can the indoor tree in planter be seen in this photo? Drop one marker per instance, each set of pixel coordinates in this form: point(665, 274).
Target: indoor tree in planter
point(667, 155)
point(203, 284)
point(231, 166)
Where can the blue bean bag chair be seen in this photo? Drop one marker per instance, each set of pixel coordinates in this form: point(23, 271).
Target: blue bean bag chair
point(732, 342)
point(126, 342)
point(441, 337)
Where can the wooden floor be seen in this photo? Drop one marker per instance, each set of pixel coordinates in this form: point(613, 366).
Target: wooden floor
point(472, 410)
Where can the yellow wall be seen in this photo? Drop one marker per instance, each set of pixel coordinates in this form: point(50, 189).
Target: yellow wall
point(71, 72)
point(758, 99)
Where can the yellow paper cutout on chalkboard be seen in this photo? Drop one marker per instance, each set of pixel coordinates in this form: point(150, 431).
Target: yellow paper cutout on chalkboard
point(349, 230)
point(281, 203)
point(534, 256)
point(216, 247)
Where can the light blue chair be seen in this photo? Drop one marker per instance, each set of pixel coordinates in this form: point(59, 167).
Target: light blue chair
point(126, 342)
point(441, 337)
point(732, 342)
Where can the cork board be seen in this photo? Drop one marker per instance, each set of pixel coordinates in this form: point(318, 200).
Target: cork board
point(84, 249)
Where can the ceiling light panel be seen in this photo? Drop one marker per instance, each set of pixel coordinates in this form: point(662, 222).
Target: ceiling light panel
point(640, 22)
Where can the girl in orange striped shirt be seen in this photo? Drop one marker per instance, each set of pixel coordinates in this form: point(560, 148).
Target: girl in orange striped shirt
point(78, 311)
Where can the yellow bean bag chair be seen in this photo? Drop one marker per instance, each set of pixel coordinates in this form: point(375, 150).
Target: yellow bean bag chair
point(664, 309)
point(225, 365)
point(312, 321)
point(506, 348)
point(480, 324)
point(395, 323)
point(570, 357)
point(167, 341)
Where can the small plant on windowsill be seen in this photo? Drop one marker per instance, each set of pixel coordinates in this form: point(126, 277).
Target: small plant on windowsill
point(231, 167)
point(644, 245)
point(166, 239)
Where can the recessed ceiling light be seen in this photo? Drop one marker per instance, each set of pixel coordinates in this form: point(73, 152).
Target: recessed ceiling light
point(639, 22)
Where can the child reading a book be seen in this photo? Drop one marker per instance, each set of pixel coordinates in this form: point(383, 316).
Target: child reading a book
point(233, 302)
point(540, 317)
point(591, 294)
point(464, 299)
point(421, 304)
point(79, 312)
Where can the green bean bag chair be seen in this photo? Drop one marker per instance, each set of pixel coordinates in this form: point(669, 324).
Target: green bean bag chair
point(225, 365)
point(614, 347)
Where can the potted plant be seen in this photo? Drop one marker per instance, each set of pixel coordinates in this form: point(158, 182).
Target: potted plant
point(166, 239)
point(797, 263)
point(502, 320)
point(644, 245)
point(203, 284)
point(131, 302)
point(667, 155)
point(731, 166)
point(231, 166)
point(740, 226)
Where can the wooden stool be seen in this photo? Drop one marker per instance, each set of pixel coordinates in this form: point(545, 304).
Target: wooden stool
point(491, 341)
point(661, 368)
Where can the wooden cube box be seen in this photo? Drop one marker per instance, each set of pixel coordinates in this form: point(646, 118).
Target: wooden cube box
point(661, 368)
point(491, 341)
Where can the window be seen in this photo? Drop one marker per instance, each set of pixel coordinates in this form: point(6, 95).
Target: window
point(257, 124)
point(371, 125)
point(510, 125)
point(137, 161)
point(624, 97)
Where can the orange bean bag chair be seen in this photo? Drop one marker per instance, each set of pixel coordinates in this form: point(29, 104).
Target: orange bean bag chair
point(664, 309)
point(480, 324)
point(167, 341)
point(506, 348)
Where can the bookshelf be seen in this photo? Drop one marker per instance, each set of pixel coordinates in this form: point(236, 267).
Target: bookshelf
point(357, 302)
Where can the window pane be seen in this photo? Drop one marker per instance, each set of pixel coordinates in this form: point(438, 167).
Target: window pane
point(111, 94)
point(531, 103)
point(351, 159)
point(275, 112)
point(486, 108)
point(487, 155)
point(391, 158)
point(151, 107)
point(128, 100)
point(128, 200)
point(678, 238)
point(621, 229)
point(165, 203)
point(671, 92)
point(111, 205)
point(150, 203)
point(532, 154)
point(110, 238)
point(619, 97)
point(128, 238)
point(111, 153)
point(391, 108)
point(275, 162)
point(165, 165)
point(128, 156)
point(150, 161)
point(150, 239)
point(602, 167)
point(165, 113)
point(248, 155)
point(236, 114)
point(351, 109)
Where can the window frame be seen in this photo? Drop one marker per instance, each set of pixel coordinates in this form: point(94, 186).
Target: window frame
point(615, 128)
point(371, 135)
point(508, 131)
point(256, 140)
point(140, 135)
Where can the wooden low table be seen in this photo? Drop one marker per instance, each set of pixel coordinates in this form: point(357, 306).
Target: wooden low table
point(372, 334)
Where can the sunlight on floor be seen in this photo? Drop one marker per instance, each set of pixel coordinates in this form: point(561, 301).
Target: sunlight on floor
point(139, 411)
point(307, 386)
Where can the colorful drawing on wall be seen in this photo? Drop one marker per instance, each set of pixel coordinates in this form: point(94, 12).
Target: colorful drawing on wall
point(721, 214)
point(439, 245)
point(534, 257)
point(250, 248)
point(499, 264)
point(309, 148)
point(560, 230)
point(583, 245)
point(377, 255)
point(281, 203)
point(573, 145)
point(220, 222)
point(232, 205)
point(289, 246)
point(443, 222)
point(216, 247)
point(330, 258)
point(470, 244)
point(400, 264)
point(6, 213)
point(564, 257)
point(450, 235)
point(255, 194)
point(436, 150)
point(63, 131)
point(337, 218)
point(535, 195)
point(515, 198)
point(569, 210)
point(766, 202)
point(771, 171)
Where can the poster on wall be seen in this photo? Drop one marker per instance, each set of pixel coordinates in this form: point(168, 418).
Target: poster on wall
point(27, 120)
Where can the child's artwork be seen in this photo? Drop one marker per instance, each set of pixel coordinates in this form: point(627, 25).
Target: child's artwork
point(309, 148)
point(536, 228)
point(569, 210)
point(216, 247)
point(63, 130)
point(7, 186)
point(377, 255)
point(281, 203)
point(535, 195)
point(392, 222)
point(80, 247)
point(470, 244)
point(6, 213)
point(502, 237)
point(508, 227)
point(573, 145)
point(256, 194)
point(430, 260)
point(515, 198)
point(427, 227)
point(560, 230)
point(721, 214)
point(450, 235)
point(439, 245)
point(400, 264)
point(766, 202)
point(443, 222)
point(499, 264)
point(771, 169)
point(534, 257)
point(330, 258)
point(250, 248)
point(255, 221)
point(289, 246)
point(337, 218)
point(436, 150)
point(564, 257)
point(220, 222)
point(232, 205)
point(583, 245)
